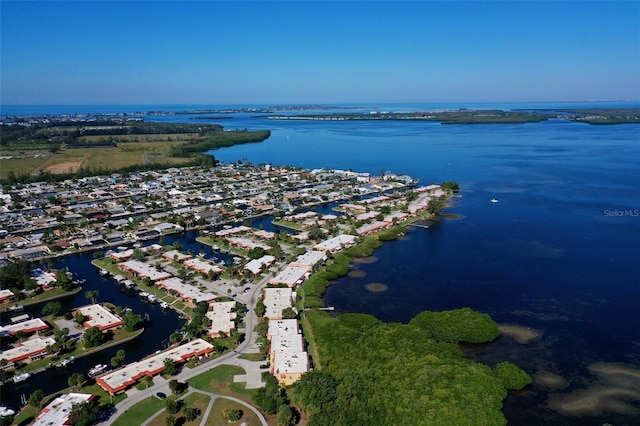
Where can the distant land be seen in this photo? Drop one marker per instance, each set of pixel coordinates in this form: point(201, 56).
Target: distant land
point(466, 116)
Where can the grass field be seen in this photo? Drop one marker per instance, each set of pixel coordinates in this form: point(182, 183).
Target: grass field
point(220, 380)
point(217, 419)
point(196, 400)
point(130, 150)
point(140, 412)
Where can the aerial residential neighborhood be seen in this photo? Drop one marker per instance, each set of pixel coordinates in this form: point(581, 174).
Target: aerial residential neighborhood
point(123, 221)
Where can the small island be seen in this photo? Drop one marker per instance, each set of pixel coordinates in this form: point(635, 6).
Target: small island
point(461, 116)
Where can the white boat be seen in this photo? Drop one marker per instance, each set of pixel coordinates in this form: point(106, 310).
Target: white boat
point(144, 294)
point(97, 370)
point(21, 377)
point(103, 272)
point(494, 200)
point(152, 299)
point(6, 411)
point(164, 305)
point(67, 361)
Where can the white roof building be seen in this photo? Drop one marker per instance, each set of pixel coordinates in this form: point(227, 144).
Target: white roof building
point(202, 266)
point(337, 243)
point(222, 318)
point(309, 259)
point(100, 317)
point(124, 377)
point(288, 367)
point(27, 349)
point(277, 299)
point(282, 327)
point(291, 275)
point(143, 270)
point(186, 291)
point(256, 266)
point(57, 411)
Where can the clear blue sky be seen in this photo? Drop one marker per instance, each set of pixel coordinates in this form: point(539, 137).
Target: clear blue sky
point(126, 52)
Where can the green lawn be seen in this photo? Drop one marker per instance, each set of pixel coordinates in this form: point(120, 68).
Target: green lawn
point(55, 293)
point(197, 400)
point(220, 380)
point(140, 412)
point(220, 404)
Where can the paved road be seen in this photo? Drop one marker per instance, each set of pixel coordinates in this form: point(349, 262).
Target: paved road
point(253, 372)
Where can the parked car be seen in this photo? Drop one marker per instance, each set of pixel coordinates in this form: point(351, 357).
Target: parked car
point(161, 395)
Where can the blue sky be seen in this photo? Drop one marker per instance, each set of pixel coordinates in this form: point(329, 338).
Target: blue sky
point(201, 52)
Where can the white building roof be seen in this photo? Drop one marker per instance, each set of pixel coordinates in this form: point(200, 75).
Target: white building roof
point(336, 243)
point(99, 316)
point(291, 343)
point(186, 291)
point(291, 362)
point(27, 347)
point(202, 266)
point(153, 365)
point(309, 258)
point(257, 265)
point(57, 411)
point(32, 324)
point(290, 275)
point(143, 270)
point(282, 327)
point(277, 299)
point(221, 317)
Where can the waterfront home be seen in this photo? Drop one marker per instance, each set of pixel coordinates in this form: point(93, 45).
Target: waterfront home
point(185, 291)
point(336, 243)
point(6, 295)
point(29, 326)
point(120, 379)
point(99, 316)
point(29, 349)
point(58, 411)
point(143, 271)
point(291, 275)
point(288, 367)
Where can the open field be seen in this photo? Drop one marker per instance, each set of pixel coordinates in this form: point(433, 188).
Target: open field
point(42, 151)
point(70, 160)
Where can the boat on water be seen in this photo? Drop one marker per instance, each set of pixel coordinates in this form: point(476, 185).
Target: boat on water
point(67, 361)
point(16, 308)
point(494, 200)
point(164, 305)
point(98, 369)
point(103, 272)
point(152, 298)
point(6, 411)
point(21, 377)
point(144, 294)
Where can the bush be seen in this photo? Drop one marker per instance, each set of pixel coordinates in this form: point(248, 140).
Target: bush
point(511, 376)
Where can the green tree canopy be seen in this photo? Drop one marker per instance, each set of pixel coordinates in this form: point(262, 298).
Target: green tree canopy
point(459, 325)
point(512, 377)
point(93, 337)
point(52, 308)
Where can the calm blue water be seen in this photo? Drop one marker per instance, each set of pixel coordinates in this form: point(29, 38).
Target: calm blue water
point(558, 254)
